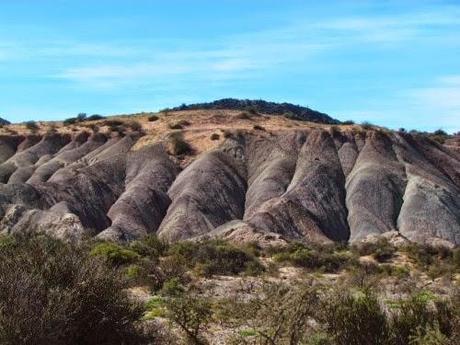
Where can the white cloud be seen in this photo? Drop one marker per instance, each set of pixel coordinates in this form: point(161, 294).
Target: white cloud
point(443, 95)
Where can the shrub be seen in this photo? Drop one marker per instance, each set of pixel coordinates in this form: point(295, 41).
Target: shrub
point(81, 117)
point(95, 117)
point(179, 125)
point(153, 118)
point(180, 146)
point(411, 316)
point(70, 121)
point(53, 293)
point(216, 257)
point(321, 258)
point(348, 122)
point(191, 314)
point(115, 254)
point(367, 125)
point(381, 249)
point(355, 318)
point(258, 128)
point(31, 125)
point(215, 136)
point(134, 125)
point(150, 246)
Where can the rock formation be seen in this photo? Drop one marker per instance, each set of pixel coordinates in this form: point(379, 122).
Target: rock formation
point(302, 182)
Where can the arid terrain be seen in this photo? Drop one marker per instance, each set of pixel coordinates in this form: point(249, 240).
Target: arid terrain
point(228, 226)
point(232, 174)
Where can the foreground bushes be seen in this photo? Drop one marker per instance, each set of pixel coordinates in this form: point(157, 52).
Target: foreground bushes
point(305, 314)
point(54, 293)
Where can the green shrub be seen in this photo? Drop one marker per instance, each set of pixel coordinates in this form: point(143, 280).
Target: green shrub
point(173, 288)
point(381, 250)
point(153, 118)
point(53, 293)
point(115, 254)
point(150, 246)
point(216, 257)
point(191, 314)
point(355, 318)
point(411, 316)
point(326, 259)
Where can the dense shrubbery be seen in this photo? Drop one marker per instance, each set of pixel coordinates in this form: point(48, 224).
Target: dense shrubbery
point(215, 257)
point(261, 106)
point(57, 293)
point(323, 258)
point(54, 293)
point(381, 250)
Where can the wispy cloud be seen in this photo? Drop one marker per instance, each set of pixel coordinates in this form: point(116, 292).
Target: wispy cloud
point(443, 97)
point(299, 41)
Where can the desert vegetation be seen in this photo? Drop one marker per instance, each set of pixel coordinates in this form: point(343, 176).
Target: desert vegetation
point(212, 291)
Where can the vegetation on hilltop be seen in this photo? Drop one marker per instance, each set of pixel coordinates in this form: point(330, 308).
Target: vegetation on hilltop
point(260, 106)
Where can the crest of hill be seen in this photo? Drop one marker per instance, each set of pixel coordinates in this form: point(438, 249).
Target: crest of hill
point(295, 111)
point(4, 122)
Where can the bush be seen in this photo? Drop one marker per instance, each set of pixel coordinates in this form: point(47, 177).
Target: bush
point(70, 121)
point(191, 314)
point(150, 246)
point(31, 125)
point(153, 118)
point(215, 136)
point(411, 316)
point(367, 125)
point(216, 257)
point(53, 293)
point(95, 117)
point(115, 254)
point(81, 117)
point(381, 249)
point(355, 319)
point(179, 125)
point(134, 125)
point(258, 128)
point(348, 122)
point(180, 146)
point(325, 258)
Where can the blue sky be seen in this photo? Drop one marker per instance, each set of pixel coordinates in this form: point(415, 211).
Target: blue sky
point(393, 63)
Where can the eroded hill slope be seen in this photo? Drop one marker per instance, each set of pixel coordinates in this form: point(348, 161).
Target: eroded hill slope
point(227, 173)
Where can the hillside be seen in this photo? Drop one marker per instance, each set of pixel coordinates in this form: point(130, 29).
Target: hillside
point(226, 173)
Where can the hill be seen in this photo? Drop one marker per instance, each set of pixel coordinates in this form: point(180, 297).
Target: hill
point(294, 111)
point(245, 176)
